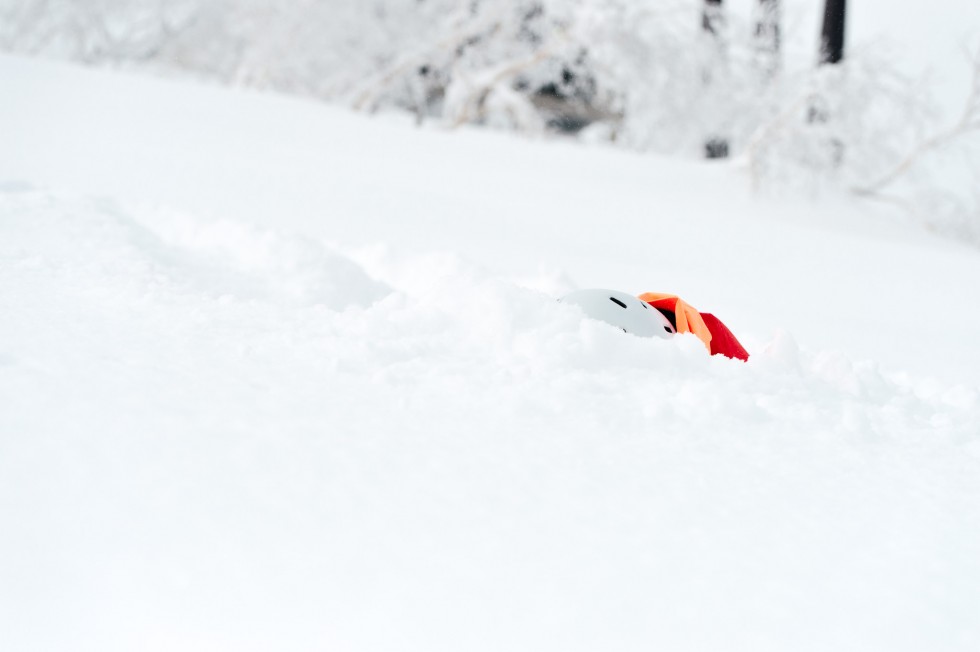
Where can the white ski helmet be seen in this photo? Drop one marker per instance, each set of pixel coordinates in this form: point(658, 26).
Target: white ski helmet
point(622, 310)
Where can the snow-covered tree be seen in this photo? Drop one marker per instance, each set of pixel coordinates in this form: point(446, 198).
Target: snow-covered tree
point(715, 74)
point(831, 54)
point(766, 39)
point(671, 76)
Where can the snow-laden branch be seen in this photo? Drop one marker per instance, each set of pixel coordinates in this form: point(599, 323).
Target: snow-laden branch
point(472, 94)
point(460, 35)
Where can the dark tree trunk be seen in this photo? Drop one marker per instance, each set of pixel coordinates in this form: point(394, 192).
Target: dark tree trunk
point(713, 26)
point(832, 34)
point(711, 17)
point(831, 53)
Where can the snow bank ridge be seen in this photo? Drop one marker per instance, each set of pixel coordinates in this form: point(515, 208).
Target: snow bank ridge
point(435, 323)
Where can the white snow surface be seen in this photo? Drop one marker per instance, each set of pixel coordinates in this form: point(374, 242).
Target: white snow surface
point(274, 376)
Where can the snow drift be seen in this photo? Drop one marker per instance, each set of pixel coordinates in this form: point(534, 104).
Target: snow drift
point(218, 433)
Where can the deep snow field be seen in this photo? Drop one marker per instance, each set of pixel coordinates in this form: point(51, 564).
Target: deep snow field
point(276, 376)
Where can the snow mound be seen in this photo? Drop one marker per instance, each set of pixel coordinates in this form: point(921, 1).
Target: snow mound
point(219, 437)
point(222, 258)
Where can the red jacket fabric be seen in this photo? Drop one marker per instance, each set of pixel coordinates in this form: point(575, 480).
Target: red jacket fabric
point(723, 341)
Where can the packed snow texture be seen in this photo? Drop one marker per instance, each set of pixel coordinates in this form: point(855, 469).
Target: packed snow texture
point(298, 380)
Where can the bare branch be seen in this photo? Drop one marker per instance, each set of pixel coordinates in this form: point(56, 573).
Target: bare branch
point(968, 122)
point(368, 97)
point(475, 106)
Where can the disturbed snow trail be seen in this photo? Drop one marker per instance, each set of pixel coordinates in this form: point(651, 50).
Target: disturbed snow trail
point(222, 436)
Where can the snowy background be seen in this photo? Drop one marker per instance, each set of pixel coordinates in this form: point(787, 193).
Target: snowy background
point(276, 374)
